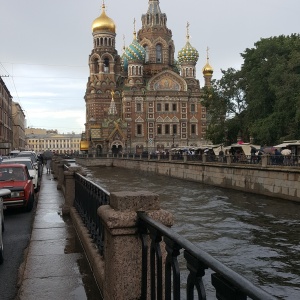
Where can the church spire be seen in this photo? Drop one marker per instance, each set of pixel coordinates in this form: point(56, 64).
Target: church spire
point(154, 16)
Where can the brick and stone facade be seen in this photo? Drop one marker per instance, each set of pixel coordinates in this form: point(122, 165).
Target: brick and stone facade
point(144, 100)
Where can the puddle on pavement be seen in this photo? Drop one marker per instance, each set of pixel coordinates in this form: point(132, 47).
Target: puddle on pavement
point(53, 217)
point(88, 286)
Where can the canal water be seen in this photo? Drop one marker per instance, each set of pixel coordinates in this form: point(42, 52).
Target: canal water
point(256, 236)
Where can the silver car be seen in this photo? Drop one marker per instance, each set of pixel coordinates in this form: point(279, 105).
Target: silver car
point(3, 193)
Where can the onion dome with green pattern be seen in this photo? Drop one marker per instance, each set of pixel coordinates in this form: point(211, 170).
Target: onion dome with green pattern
point(134, 52)
point(188, 54)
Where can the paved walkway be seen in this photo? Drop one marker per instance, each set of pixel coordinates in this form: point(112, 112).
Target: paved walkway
point(56, 266)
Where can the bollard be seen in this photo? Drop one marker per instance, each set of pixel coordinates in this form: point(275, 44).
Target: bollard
point(69, 188)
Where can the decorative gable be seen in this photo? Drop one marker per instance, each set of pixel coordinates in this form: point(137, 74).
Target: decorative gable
point(167, 81)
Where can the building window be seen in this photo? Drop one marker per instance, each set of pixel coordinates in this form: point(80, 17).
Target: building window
point(139, 129)
point(193, 129)
point(174, 107)
point(159, 131)
point(167, 129)
point(166, 106)
point(158, 106)
point(158, 53)
point(147, 53)
point(174, 127)
point(193, 108)
point(139, 107)
point(106, 65)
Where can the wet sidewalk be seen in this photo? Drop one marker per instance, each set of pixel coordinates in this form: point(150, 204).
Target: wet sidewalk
point(56, 266)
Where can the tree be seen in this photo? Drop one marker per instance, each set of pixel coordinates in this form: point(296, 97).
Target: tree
point(271, 73)
point(225, 103)
point(262, 99)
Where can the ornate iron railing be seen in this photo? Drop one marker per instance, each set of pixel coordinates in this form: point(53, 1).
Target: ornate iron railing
point(165, 283)
point(88, 197)
point(228, 285)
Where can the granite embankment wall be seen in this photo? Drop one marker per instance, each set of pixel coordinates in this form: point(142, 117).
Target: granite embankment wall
point(276, 181)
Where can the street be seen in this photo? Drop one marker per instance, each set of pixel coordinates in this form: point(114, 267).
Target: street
point(15, 239)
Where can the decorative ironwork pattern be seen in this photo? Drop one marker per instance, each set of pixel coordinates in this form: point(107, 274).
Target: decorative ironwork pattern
point(227, 284)
point(88, 198)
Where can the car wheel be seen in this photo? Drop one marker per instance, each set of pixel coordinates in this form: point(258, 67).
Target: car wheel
point(30, 203)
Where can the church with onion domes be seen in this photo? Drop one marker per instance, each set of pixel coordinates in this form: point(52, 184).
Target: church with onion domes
point(144, 100)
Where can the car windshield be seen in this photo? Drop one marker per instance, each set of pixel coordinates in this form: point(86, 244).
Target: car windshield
point(11, 173)
point(28, 164)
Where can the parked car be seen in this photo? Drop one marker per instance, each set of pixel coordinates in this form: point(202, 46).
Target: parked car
point(34, 158)
point(14, 153)
point(32, 169)
point(16, 178)
point(3, 193)
point(30, 154)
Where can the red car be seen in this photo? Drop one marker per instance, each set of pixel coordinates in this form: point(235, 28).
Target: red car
point(16, 178)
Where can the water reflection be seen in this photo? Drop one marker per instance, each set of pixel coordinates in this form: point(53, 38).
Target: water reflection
point(254, 235)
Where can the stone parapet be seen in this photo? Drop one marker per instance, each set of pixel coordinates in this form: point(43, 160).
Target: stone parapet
point(248, 178)
point(123, 248)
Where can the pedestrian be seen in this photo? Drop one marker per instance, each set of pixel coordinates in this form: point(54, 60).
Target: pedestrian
point(48, 165)
point(221, 155)
point(253, 152)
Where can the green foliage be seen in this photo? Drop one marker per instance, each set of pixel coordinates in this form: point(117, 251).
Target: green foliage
point(263, 98)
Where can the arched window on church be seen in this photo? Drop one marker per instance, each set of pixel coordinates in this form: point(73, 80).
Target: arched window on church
point(147, 53)
point(157, 19)
point(158, 53)
point(95, 66)
point(106, 65)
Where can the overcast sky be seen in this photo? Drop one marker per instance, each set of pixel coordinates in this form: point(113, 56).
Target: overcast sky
point(45, 44)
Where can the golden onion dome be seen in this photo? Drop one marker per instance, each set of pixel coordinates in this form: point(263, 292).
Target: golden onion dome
point(207, 69)
point(103, 22)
